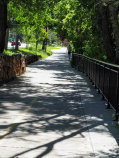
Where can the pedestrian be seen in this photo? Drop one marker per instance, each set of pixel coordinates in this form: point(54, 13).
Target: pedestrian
point(69, 51)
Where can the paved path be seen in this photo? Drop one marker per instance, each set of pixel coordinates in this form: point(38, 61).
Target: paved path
point(53, 111)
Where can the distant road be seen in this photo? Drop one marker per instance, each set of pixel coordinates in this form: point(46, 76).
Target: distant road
point(23, 45)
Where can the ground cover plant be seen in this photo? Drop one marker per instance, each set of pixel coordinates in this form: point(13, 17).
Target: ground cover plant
point(31, 51)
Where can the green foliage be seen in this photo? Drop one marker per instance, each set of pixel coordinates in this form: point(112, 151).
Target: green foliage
point(30, 50)
point(104, 3)
point(78, 21)
point(116, 125)
point(30, 18)
point(75, 21)
point(91, 48)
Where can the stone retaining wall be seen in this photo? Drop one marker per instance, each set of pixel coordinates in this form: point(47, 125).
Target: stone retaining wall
point(15, 65)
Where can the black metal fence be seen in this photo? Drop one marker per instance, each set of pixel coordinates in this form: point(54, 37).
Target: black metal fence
point(104, 76)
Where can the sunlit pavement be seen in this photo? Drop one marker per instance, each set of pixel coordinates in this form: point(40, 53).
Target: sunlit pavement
point(53, 111)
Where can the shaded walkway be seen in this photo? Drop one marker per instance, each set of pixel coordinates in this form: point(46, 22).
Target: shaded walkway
point(53, 111)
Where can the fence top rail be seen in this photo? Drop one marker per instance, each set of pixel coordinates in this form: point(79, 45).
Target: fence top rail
point(111, 66)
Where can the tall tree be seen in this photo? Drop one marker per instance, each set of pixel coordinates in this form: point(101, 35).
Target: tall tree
point(113, 9)
point(110, 26)
point(107, 39)
point(3, 23)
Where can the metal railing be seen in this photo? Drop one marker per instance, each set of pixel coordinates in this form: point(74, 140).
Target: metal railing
point(104, 76)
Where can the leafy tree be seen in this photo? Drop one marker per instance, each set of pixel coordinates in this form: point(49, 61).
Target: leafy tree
point(108, 10)
point(3, 23)
point(91, 26)
point(113, 9)
point(75, 21)
point(25, 15)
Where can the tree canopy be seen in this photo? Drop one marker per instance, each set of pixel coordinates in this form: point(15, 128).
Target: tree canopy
point(90, 26)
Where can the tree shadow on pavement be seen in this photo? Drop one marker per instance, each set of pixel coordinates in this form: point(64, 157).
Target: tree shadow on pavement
point(56, 116)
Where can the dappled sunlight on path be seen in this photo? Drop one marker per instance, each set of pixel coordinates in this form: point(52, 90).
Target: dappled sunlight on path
point(47, 113)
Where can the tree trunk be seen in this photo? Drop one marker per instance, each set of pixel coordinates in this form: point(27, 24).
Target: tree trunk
point(3, 24)
point(45, 40)
point(115, 27)
point(16, 42)
point(6, 38)
point(36, 45)
point(36, 41)
point(107, 39)
point(43, 46)
point(98, 43)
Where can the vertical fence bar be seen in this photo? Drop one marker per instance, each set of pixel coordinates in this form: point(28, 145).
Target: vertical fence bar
point(98, 79)
point(103, 83)
point(117, 107)
point(95, 74)
point(95, 70)
point(108, 104)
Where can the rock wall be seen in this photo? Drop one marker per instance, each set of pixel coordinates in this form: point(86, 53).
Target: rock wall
point(15, 65)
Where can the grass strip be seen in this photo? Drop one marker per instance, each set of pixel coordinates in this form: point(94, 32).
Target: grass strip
point(31, 51)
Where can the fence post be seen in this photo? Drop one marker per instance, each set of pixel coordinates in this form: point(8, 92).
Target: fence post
point(95, 78)
point(99, 81)
point(117, 107)
point(108, 104)
point(83, 65)
point(1, 70)
point(103, 83)
point(93, 71)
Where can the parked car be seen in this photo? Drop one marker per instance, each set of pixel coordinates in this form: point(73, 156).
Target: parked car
point(13, 43)
point(19, 42)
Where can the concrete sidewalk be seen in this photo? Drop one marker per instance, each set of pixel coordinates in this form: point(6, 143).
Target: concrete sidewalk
point(53, 111)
